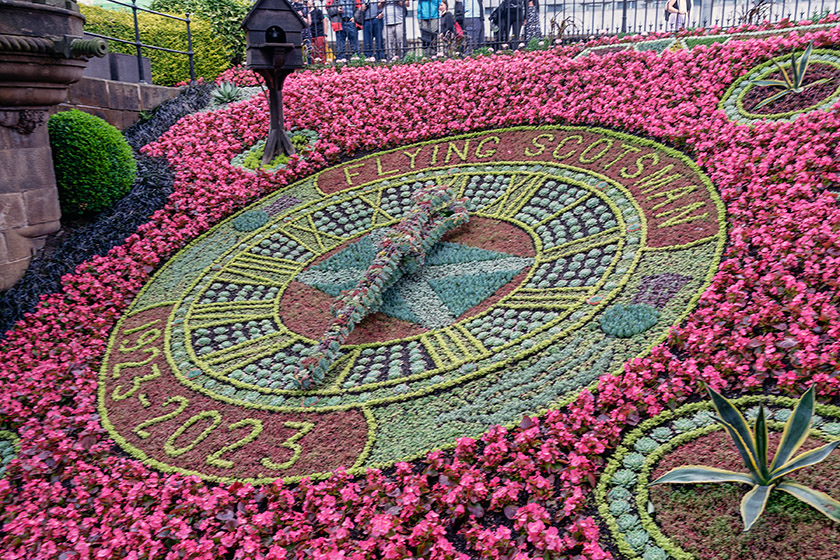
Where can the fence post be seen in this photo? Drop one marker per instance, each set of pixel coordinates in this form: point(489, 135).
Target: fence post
point(137, 43)
point(190, 50)
point(624, 16)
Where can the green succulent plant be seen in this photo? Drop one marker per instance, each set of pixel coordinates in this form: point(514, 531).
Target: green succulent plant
point(790, 83)
point(752, 446)
point(226, 92)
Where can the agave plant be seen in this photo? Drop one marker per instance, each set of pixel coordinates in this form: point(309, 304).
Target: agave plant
point(226, 92)
point(791, 84)
point(752, 446)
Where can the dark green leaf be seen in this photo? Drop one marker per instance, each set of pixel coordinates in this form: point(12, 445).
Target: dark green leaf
point(772, 98)
point(810, 458)
point(796, 429)
point(761, 442)
point(694, 474)
point(803, 64)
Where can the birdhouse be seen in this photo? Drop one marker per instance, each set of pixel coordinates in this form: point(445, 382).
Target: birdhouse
point(274, 50)
point(273, 36)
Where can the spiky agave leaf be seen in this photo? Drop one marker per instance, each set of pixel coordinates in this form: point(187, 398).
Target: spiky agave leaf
point(802, 67)
point(812, 84)
point(768, 83)
point(753, 504)
point(796, 429)
point(785, 77)
point(772, 98)
point(739, 431)
point(820, 501)
point(804, 460)
point(761, 436)
point(694, 474)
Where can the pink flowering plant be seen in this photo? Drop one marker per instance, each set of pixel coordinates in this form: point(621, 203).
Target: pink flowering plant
point(769, 319)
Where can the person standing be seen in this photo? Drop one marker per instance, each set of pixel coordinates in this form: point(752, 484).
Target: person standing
point(346, 32)
point(394, 17)
point(678, 11)
point(532, 21)
point(319, 41)
point(473, 24)
point(302, 8)
point(428, 19)
point(373, 30)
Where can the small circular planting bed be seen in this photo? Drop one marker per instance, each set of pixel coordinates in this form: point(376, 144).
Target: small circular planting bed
point(703, 521)
point(741, 100)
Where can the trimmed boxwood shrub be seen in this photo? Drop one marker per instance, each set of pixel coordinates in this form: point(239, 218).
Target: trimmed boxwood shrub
point(94, 166)
point(168, 69)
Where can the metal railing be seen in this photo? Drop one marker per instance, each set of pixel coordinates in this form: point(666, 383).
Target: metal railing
point(140, 45)
point(569, 22)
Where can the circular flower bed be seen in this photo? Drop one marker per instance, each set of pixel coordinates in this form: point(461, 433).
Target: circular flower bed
point(698, 518)
point(740, 101)
point(581, 232)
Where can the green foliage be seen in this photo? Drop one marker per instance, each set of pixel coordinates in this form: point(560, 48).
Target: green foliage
point(752, 446)
point(692, 42)
point(225, 17)
point(249, 221)
point(790, 83)
point(818, 16)
point(168, 68)
point(226, 92)
point(94, 166)
point(625, 321)
point(302, 140)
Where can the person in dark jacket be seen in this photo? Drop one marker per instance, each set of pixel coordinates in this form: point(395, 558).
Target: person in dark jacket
point(447, 20)
point(319, 36)
point(508, 17)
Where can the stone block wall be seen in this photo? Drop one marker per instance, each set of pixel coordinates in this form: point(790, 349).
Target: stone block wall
point(29, 209)
point(119, 103)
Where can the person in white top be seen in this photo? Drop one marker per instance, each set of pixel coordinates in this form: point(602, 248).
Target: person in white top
point(679, 13)
point(394, 11)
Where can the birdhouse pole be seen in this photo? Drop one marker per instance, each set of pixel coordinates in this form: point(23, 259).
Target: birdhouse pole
point(278, 141)
point(273, 31)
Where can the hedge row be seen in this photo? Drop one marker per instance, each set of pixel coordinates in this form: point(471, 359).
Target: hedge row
point(168, 69)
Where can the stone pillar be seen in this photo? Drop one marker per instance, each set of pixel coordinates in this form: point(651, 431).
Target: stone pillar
point(28, 201)
point(42, 51)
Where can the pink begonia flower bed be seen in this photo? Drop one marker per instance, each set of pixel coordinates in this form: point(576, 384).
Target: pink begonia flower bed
point(769, 319)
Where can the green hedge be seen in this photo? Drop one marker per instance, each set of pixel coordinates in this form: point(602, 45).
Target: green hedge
point(167, 68)
point(94, 165)
point(225, 17)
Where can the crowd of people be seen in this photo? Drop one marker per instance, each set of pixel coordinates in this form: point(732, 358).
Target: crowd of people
point(376, 29)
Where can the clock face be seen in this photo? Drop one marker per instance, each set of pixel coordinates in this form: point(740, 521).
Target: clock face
point(583, 247)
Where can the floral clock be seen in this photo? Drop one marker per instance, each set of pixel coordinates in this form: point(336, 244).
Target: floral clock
point(742, 102)
point(582, 248)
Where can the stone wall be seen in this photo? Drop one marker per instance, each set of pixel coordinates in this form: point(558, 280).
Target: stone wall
point(119, 103)
point(29, 208)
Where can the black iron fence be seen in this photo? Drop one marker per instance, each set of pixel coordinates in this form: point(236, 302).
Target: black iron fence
point(514, 23)
point(139, 45)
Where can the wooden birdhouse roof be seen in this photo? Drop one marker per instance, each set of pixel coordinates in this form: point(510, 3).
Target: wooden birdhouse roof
point(262, 14)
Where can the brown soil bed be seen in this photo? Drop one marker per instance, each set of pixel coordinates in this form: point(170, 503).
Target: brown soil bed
point(705, 520)
point(794, 101)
